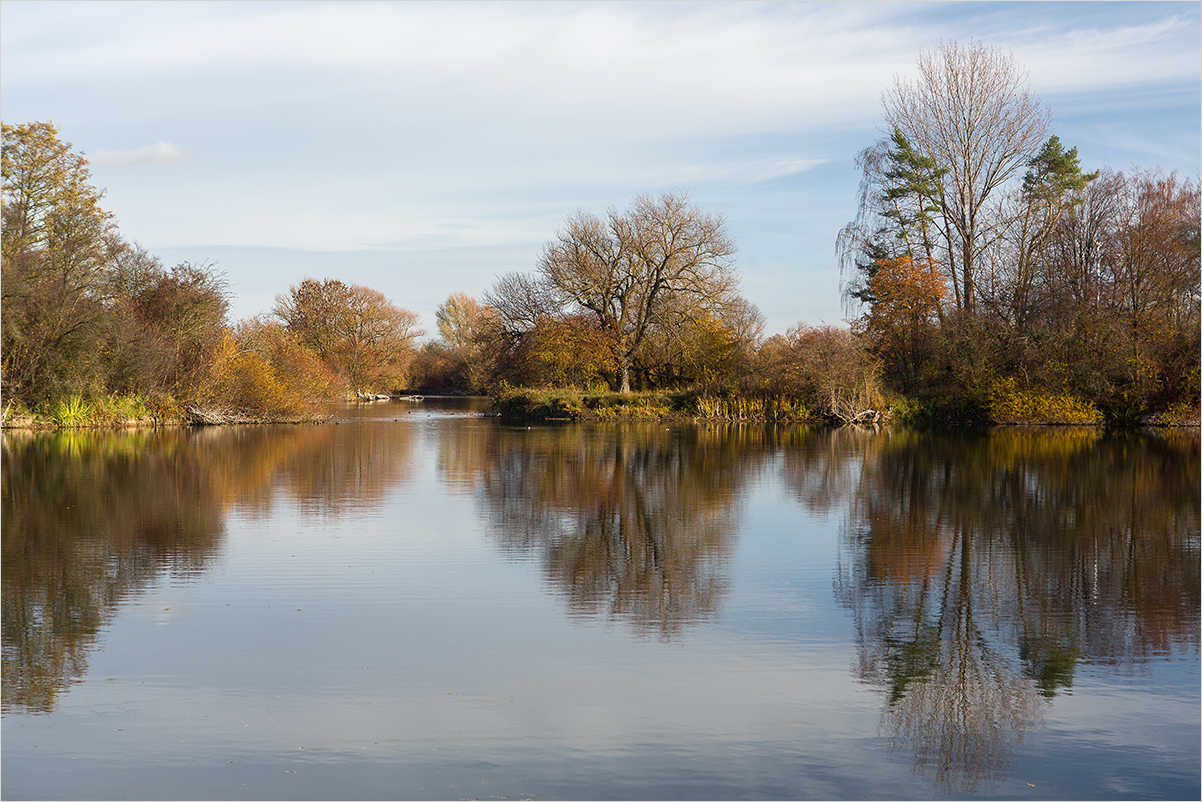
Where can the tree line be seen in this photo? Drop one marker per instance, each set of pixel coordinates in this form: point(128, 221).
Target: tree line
point(991, 278)
point(988, 262)
point(88, 314)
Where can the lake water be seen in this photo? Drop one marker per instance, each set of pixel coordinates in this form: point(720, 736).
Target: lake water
point(419, 602)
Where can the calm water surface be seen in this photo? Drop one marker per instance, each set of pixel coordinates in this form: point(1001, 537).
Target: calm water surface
point(417, 602)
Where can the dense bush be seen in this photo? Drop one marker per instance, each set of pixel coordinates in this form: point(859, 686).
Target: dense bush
point(262, 371)
point(825, 369)
point(1010, 404)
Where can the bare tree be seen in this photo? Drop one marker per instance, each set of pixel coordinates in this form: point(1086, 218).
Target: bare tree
point(970, 111)
point(522, 300)
point(659, 260)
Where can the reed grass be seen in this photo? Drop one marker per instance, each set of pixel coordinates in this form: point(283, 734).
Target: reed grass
point(555, 404)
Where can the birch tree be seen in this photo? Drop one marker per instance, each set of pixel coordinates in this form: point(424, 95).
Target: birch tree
point(971, 112)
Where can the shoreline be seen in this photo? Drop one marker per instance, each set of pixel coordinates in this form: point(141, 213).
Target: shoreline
point(575, 407)
point(199, 419)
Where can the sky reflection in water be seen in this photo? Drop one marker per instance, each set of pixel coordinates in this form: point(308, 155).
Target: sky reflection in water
point(417, 604)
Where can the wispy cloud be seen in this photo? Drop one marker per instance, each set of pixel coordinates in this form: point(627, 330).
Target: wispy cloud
point(750, 172)
point(161, 153)
point(1088, 59)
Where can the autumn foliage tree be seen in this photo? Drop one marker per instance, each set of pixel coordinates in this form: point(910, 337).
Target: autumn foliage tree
point(262, 369)
point(713, 346)
point(86, 313)
point(171, 321)
point(54, 246)
point(908, 298)
point(1152, 270)
point(574, 352)
point(464, 357)
point(1055, 280)
point(360, 334)
point(656, 266)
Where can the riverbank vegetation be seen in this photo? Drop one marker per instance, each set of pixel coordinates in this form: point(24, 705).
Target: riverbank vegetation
point(988, 278)
point(97, 331)
point(1000, 276)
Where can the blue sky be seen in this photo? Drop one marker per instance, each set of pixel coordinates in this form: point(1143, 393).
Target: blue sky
point(426, 148)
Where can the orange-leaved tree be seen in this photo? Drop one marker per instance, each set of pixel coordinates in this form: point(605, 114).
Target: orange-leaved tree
point(261, 369)
point(907, 305)
point(360, 333)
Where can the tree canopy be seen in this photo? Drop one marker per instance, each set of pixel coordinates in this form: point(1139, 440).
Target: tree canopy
point(662, 264)
point(355, 329)
point(974, 124)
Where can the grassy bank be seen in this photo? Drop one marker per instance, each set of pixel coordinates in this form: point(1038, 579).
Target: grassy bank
point(573, 405)
point(131, 411)
point(109, 412)
point(1006, 404)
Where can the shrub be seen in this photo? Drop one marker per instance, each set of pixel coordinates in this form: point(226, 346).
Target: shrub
point(243, 381)
point(824, 369)
point(285, 385)
point(1010, 404)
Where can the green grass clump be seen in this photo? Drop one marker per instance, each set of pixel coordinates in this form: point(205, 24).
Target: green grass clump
point(115, 411)
point(70, 413)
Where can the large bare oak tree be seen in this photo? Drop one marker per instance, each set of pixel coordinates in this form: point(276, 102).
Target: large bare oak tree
point(658, 264)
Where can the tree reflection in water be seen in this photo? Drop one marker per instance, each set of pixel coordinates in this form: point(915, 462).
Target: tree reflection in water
point(87, 519)
point(631, 522)
point(982, 570)
point(91, 518)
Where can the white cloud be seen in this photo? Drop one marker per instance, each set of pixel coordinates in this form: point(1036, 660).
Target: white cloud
point(1094, 60)
point(162, 153)
point(717, 68)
